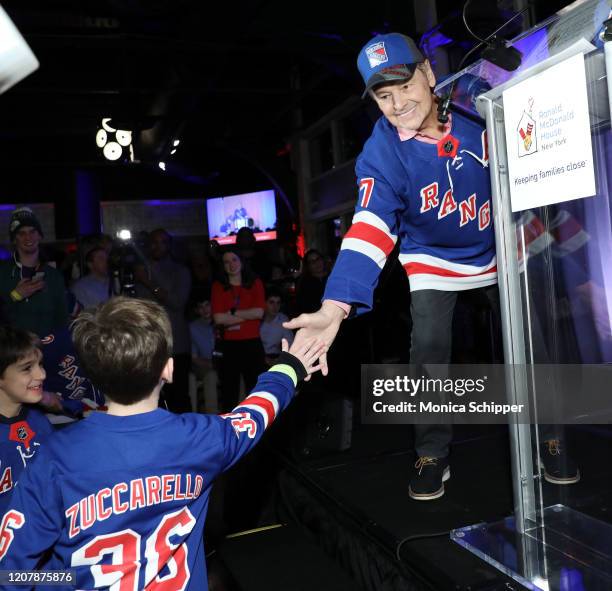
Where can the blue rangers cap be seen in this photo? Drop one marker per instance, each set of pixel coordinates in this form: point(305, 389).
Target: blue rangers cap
point(387, 58)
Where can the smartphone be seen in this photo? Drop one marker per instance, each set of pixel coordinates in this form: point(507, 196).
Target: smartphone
point(39, 276)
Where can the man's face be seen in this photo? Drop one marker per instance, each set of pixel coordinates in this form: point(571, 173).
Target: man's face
point(99, 263)
point(273, 305)
point(408, 104)
point(159, 245)
point(27, 240)
point(22, 381)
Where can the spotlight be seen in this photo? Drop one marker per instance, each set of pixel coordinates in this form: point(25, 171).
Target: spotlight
point(124, 234)
point(101, 138)
point(176, 143)
point(162, 165)
point(112, 151)
point(172, 151)
point(124, 138)
point(114, 143)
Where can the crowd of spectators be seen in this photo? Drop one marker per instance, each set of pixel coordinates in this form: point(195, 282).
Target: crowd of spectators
point(227, 305)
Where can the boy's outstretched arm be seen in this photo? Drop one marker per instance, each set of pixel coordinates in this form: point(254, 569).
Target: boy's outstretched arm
point(245, 424)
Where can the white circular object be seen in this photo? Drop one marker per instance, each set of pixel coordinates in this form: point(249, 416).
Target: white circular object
point(101, 138)
point(124, 137)
point(112, 151)
point(106, 126)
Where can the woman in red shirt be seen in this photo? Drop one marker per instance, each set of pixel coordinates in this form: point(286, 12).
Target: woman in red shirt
point(238, 303)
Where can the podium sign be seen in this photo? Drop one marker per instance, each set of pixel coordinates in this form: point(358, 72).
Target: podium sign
point(548, 137)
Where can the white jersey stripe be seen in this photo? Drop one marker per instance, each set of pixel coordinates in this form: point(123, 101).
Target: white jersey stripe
point(368, 249)
point(270, 397)
point(259, 409)
point(425, 281)
point(372, 219)
point(427, 259)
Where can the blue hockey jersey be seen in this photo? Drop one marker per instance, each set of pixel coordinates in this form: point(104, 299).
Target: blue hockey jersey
point(434, 198)
point(123, 500)
point(20, 442)
point(65, 375)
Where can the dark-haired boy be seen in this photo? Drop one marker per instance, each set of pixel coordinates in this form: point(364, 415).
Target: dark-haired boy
point(128, 513)
point(22, 428)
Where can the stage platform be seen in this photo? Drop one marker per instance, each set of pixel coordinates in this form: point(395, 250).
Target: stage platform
point(354, 506)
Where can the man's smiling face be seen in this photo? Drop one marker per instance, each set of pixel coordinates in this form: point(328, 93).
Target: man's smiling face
point(27, 240)
point(407, 104)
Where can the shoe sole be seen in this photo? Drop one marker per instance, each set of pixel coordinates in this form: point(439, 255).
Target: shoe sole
point(431, 496)
point(553, 480)
point(562, 481)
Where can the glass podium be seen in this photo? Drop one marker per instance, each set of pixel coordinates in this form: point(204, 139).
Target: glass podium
point(554, 257)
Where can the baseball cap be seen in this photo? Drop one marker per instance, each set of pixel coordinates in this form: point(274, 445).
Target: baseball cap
point(21, 217)
point(387, 58)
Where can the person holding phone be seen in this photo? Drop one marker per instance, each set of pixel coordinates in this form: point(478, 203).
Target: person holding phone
point(32, 292)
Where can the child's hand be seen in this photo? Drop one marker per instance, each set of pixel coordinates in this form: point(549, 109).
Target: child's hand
point(308, 352)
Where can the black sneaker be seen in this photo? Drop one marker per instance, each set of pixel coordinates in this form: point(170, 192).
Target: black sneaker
point(428, 481)
point(558, 467)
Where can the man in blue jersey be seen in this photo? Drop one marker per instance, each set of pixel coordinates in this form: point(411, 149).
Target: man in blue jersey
point(121, 497)
point(426, 183)
point(22, 427)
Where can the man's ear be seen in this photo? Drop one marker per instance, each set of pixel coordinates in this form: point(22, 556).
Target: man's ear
point(431, 77)
point(168, 370)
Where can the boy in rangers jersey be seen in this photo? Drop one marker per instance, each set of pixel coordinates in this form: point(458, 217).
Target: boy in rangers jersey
point(68, 391)
point(121, 497)
point(22, 428)
point(426, 184)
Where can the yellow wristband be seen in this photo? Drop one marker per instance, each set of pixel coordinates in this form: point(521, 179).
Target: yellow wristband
point(16, 296)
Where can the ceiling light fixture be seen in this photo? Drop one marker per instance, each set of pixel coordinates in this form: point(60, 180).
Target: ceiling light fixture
point(114, 143)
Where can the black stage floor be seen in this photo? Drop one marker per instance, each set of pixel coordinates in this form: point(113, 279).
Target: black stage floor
point(354, 506)
point(365, 489)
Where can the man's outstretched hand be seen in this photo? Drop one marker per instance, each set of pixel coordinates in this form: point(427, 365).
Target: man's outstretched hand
point(322, 325)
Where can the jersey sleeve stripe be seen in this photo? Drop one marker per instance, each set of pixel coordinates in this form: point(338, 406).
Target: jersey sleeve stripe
point(373, 220)
point(374, 253)
point(267, 406)
point(378, 238)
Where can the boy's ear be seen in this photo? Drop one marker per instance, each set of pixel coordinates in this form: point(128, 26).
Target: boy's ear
point(168, 370)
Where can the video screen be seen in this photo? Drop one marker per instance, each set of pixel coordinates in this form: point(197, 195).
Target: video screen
point(226, 215)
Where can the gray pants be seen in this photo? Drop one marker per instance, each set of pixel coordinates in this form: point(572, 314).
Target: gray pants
point(432, 335)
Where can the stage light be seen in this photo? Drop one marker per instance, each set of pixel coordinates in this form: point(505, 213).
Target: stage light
point(173, 151)
point(16, 58)
point(112, 151)
point(176, 143)
point(124, 234)
point(162, 165)
point(114, 143)
point(124, 137)
point(101, 138)
point(106, 126)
